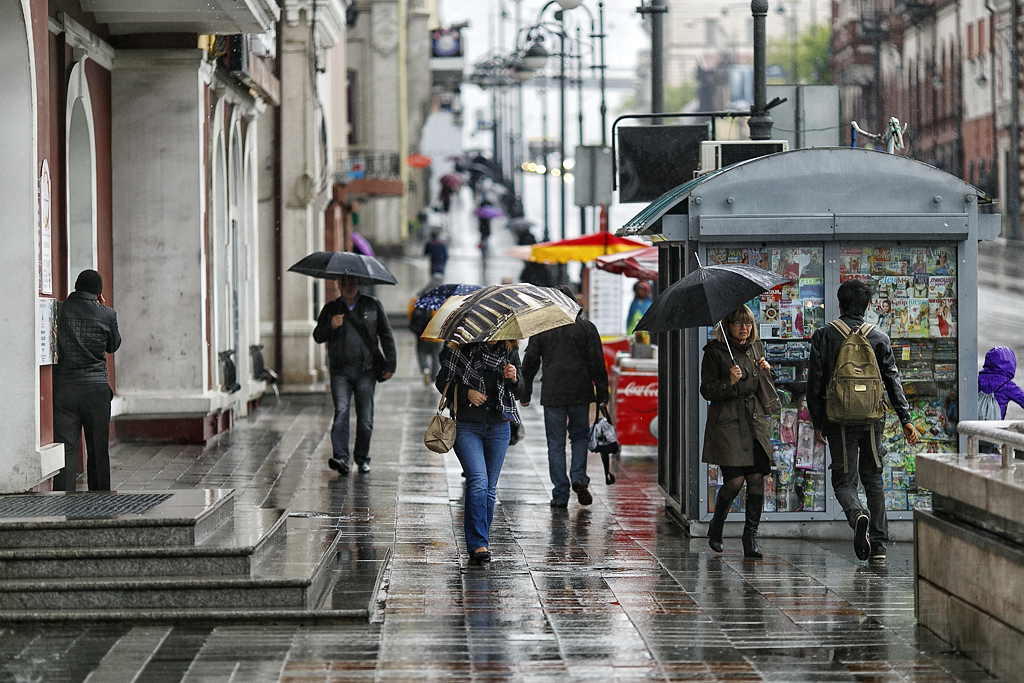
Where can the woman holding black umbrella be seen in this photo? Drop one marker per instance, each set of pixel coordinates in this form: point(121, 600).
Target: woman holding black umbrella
point(483, 380)
point(736, 437)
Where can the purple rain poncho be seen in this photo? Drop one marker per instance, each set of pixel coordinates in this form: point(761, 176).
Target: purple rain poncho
point(996, 377)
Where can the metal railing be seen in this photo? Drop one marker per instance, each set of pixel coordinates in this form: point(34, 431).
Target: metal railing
point(355, 163)
point(1007, 434)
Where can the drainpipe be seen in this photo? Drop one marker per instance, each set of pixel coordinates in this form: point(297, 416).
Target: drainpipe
point(760, 123)
point(1013, 192)
point(278, 217)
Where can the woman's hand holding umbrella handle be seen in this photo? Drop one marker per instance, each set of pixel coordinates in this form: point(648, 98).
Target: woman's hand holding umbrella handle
point(337, 320)
point(735, 374)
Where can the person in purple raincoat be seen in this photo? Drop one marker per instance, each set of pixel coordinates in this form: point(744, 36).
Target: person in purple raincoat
point(996, 378)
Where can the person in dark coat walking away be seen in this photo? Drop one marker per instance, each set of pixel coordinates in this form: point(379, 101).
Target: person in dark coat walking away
point(859, 455)
point(353, 366)
point(736, 436)
point(428, 353)
point(483, 381)
point(437, 252)
point(996, 378)
point(574, 377)
point(86, 332)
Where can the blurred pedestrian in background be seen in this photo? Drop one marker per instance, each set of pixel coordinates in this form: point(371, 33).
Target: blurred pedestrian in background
point(438, 253)
point(996, 380)
point(641, 302)
point(427, 352)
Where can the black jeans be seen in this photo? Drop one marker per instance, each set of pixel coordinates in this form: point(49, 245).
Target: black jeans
point(77, 407)
point(860, 461)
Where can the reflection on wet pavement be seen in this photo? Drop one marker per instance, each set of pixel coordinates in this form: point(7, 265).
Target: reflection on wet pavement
point(610, 592)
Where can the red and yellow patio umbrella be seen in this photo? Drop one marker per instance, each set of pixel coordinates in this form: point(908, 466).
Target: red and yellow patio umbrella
point(584, 248)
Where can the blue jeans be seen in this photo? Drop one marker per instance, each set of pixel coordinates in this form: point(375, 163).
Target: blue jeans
point(578, 420)
point(860, 460)
point(480, 448)
point(342, 389)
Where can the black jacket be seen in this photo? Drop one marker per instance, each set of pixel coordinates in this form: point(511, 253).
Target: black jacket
point(86, 332)
point(574, 370)
point(371, 313)
point(825, 349)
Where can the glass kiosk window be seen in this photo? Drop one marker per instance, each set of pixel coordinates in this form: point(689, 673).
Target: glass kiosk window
point(916, 305)
point(787, 317)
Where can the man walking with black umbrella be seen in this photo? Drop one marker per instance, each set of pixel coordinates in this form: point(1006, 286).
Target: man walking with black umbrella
point(361, 352)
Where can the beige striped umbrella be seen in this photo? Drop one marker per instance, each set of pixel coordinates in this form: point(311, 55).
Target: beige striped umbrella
point(501, 312)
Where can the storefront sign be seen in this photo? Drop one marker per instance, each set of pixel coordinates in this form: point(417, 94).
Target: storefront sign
point(47, 328)
point(45, 263)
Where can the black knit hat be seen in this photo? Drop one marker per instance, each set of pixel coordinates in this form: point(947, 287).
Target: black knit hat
point(89, 281)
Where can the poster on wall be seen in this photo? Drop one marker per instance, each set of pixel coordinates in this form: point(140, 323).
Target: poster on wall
point(45, 264)
point(47, 331)
point(606, 302)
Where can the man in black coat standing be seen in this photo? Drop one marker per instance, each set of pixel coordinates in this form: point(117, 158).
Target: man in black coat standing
point(86, 332)
point(574, 377)
point(361, 352)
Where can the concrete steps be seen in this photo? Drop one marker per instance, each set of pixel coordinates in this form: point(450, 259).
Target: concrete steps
point(189, 556)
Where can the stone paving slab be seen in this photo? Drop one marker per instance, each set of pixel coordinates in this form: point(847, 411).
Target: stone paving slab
point(609, 592)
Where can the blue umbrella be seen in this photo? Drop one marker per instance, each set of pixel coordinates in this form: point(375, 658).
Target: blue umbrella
point(433, 299)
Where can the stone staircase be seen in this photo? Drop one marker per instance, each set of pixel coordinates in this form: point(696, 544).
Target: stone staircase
point(161, 555)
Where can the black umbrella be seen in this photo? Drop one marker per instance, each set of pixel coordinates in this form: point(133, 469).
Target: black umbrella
point(331, 264)
point(705, 296)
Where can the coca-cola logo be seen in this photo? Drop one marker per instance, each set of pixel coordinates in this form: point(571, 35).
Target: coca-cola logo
point(649, 390)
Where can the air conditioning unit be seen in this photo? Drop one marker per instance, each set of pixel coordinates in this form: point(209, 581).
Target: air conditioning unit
point(718, 154)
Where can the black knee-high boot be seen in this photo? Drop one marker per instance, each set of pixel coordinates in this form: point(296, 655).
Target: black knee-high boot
point(753, 519)
point(722, 504)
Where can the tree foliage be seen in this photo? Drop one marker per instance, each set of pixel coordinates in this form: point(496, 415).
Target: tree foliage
point(812, 54)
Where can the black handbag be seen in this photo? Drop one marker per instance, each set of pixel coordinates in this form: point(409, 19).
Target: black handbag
point(380, 364)
point(766, 390)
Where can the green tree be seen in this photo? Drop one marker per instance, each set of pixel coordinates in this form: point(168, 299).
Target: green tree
point(812, 54)
point(676, 97)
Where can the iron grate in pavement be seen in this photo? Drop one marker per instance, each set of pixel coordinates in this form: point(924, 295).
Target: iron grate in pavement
point(80, 506)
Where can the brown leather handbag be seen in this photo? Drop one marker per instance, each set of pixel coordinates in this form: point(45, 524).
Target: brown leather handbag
point(440, 436)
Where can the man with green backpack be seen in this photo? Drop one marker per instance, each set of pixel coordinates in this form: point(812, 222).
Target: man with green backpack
point(851, 369)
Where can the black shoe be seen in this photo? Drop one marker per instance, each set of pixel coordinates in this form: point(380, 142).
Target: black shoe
point(753, 520)
point(479, 556)
point(559, 504)
point(582, 493)
point(877, 557)
point(364, 467)
point(722, 505)
point(338, 466)
point(861, 541)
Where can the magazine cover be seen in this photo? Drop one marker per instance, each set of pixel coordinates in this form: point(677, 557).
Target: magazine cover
point(895, 500)
point(804, 458)
point(790, 292)
point(894, 287)
point(899, 308)
point(854, 260)
point(812, 288)
point(943, 261)
point(941, 287)
point(921, 286)
point(814, 315)
point(942, 317)
point(791, 319)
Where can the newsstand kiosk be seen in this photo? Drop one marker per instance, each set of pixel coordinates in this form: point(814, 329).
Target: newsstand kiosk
point(820, 217)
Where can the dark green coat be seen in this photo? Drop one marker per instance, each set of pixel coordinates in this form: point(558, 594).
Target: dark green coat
point(735, 415)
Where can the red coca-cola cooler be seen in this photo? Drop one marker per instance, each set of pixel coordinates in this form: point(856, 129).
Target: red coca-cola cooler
point(634, 389)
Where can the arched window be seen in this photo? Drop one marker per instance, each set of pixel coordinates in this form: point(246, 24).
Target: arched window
point(81, 176)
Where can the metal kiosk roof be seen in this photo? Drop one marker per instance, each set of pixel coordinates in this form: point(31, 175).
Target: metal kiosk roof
point(826, 194)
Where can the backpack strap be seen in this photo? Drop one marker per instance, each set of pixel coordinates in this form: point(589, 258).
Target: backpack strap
point(843, 328)
point(865, 328)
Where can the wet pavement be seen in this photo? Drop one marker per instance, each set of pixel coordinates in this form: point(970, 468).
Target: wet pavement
point(613, 591)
